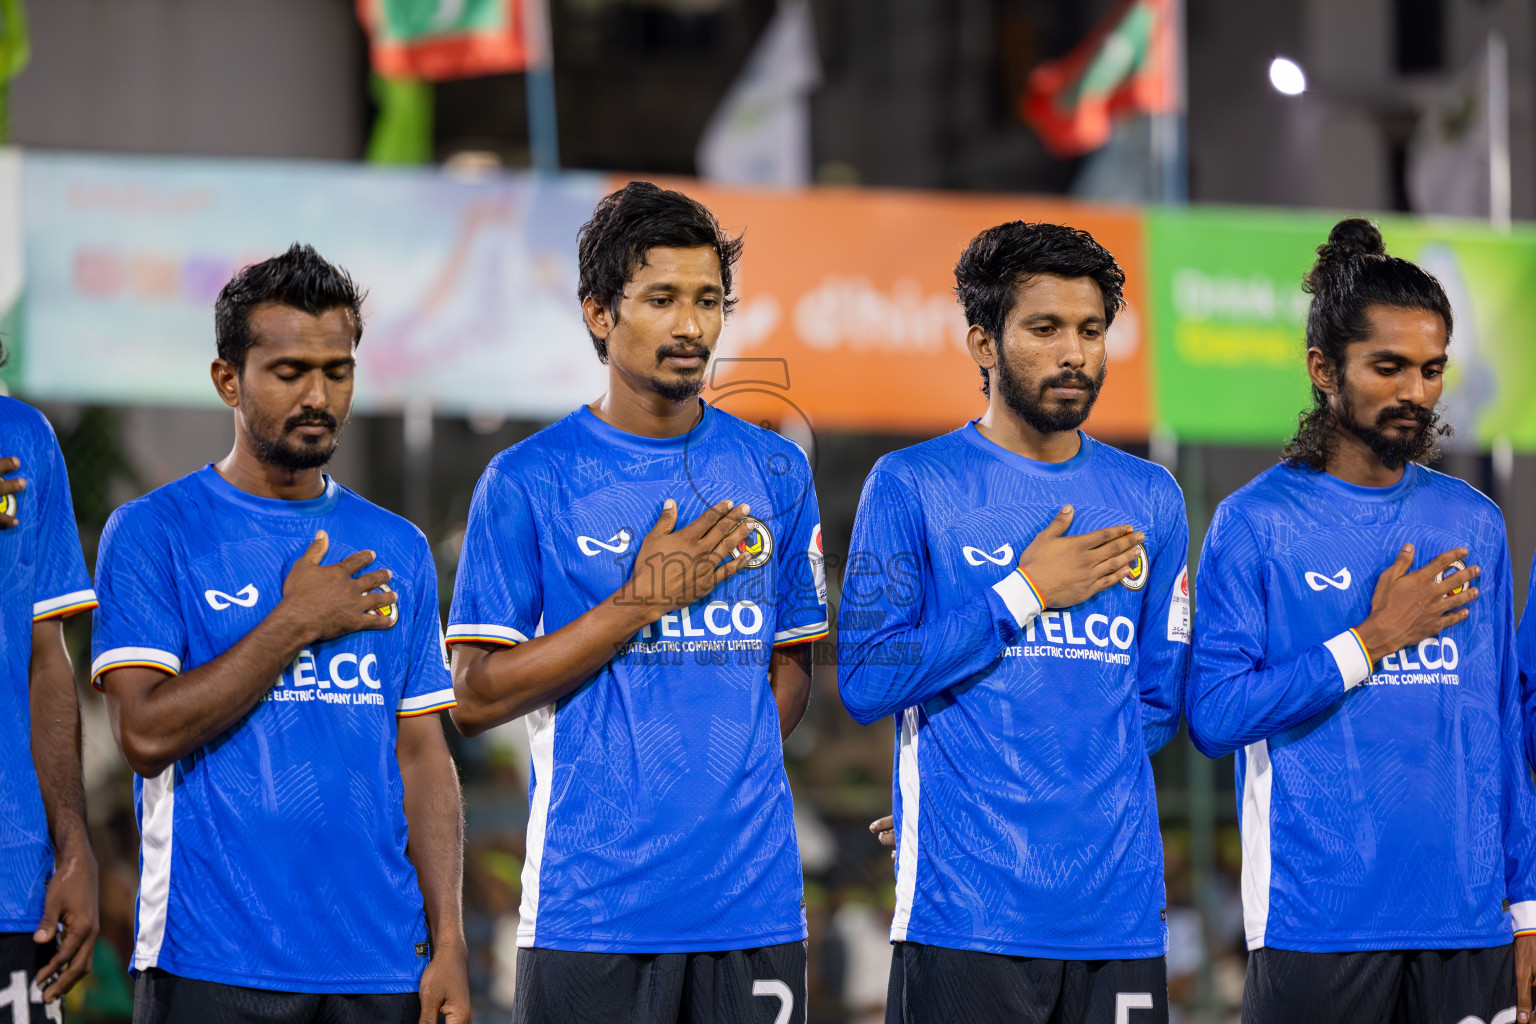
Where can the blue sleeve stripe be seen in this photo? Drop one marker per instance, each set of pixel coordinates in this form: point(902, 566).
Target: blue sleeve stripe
point(64, 605)
point(426, 703)
point(1350, 655)
point(133, 657)
point(483, 633)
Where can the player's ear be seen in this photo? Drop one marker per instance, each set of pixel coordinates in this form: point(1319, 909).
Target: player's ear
point(1324, 374)
point(599, 317)
point(226, 381)
point(980, 345)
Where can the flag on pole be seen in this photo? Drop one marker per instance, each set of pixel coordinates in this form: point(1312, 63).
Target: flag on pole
point(433, 40)
point(1126, 65)
point(760, 134)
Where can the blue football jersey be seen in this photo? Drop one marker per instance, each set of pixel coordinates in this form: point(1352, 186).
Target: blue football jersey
point(660, 817)
point(42, 576)
point(274, 857)
point(1384, 798)
point(1026, 815)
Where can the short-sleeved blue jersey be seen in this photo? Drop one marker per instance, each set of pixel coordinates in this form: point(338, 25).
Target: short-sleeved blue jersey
point(42, 576)
point(1384, 797)
point(1025, 808)
point(274, 857)
point(661, 817)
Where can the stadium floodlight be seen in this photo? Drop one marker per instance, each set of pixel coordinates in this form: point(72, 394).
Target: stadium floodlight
point(1287, 77)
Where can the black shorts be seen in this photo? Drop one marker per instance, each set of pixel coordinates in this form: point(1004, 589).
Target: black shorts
point(938, 985)
point(161, 998)
point(1397, 986)
point(20, 960)
point(740, 986)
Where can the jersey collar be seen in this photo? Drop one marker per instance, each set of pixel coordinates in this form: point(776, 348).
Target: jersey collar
point(1075, 464)
point(271, 506)
point(653, 445)
point(1357, 493)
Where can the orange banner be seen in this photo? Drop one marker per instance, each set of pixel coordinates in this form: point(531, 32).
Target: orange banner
point(848, 311)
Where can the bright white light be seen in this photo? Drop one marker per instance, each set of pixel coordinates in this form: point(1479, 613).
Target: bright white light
point(1286, 76)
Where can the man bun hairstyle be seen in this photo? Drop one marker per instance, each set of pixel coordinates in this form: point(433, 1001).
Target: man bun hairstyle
point(626, 225)
point(1003, 257)
point(1353, 273)
point(300, 279)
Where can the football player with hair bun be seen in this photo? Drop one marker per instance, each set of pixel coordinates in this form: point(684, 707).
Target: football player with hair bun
point(1355, 648)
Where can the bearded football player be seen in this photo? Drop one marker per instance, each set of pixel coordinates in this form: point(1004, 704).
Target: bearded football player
point(1368, 684)
point(1040, 576)
point(271, 654)
point(642, 581)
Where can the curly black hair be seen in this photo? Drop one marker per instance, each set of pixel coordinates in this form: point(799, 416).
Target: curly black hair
point(1353, 273)
point(1001, 258)
point(626, 225)
point(300, 278)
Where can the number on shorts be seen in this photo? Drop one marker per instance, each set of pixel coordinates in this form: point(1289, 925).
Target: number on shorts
point(1125, 1002)
point(774, 987)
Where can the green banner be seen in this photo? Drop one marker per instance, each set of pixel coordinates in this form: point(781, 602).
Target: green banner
point(1229, 321)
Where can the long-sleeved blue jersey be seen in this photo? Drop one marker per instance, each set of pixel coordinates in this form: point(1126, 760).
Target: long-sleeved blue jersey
point(1386, 807)
point(1024, 802)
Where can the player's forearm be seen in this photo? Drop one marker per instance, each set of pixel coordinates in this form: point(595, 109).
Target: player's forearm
point(884, 673)
point(499, 685)
point(434, 815)
point(1228, 711)
point(172, 716)
point(55, 711)
point(790, 679)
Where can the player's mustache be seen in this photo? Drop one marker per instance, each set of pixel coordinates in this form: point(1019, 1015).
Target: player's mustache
point(681, 351)
point(1070, 379)
point(310, 419)
point(1424, 416)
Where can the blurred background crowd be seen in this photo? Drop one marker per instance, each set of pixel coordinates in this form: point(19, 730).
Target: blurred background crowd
point(445, 151)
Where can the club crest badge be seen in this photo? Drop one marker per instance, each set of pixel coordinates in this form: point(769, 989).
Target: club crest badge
point(389, 611)
point(1140, 569)
point(1451, 570)
point(757, 548)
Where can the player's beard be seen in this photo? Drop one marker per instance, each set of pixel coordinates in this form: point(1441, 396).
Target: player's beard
point(1027, 398)
point(274, 447)
point(1395, 451)
point(681, 389)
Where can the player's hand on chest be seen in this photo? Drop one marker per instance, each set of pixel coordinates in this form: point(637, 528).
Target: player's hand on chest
point(331, 588)
point(620, 534)
point(1090, 554)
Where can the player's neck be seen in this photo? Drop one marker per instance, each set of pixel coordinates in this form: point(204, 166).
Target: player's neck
point(643, 412)
point(245, 471)
point(1353, 462)
point(1004, 428)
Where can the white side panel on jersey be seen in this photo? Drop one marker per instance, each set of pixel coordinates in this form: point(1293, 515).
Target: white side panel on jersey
point(155, 882)
point(906, 858)
point(1258, 774)
point(541, 736)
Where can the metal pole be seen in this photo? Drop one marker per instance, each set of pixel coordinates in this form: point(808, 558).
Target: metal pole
point(1170, 162)
point(1498, 132)
point(543, 122)
point(417, 475)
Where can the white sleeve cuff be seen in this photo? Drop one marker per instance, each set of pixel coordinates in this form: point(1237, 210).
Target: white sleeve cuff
point(1523, 916)
point(1349, 653)
point(1020, 597)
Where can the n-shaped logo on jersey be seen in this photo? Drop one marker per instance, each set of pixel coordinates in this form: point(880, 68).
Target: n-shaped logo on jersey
point(218, 600)
point(1339, 580)
point(617, 544)
point(976, 556)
